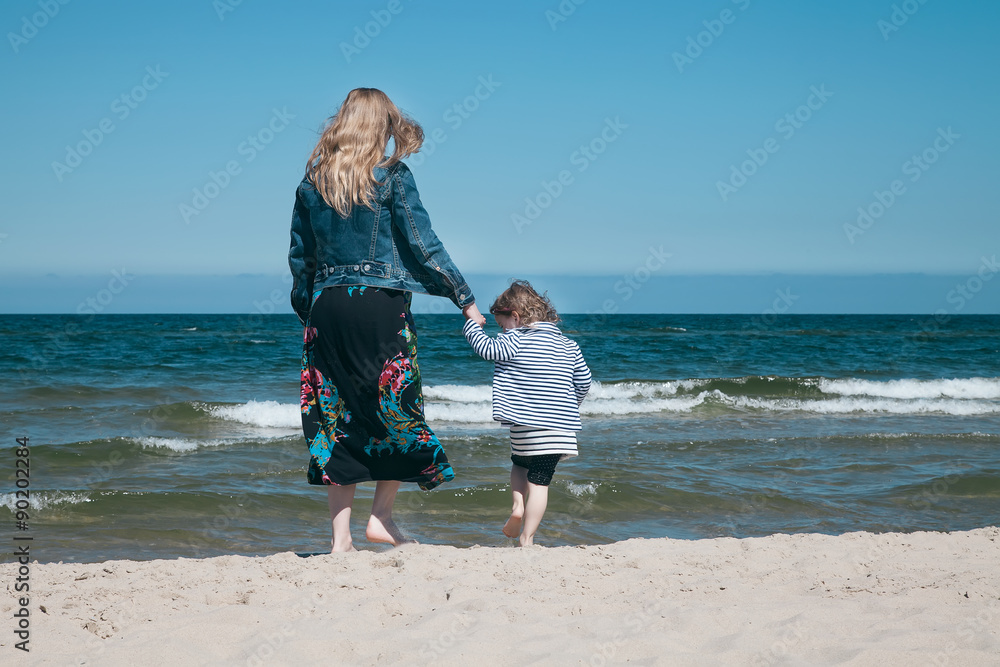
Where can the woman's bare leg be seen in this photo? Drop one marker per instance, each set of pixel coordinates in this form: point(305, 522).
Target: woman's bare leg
point(381, 527)
point(534, 510)
point(341, 498)
point(518, 489)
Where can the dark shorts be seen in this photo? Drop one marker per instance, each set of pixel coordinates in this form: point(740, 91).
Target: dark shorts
point(540, 468)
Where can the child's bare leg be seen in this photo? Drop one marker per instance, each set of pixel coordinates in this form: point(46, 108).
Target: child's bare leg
point(381, 527)
point(340, 499)
point(534, 510)
point(518, 489)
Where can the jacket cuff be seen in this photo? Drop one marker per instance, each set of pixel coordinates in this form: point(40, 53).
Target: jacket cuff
point(463, 296)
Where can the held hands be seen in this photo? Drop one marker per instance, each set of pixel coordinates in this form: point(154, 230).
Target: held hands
point(471, 312)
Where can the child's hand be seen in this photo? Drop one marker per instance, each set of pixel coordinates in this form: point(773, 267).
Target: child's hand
point(471, 312)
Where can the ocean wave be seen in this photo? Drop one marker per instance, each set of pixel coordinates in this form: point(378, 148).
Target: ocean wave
point(967, 388)
point(472, 404)
point(265, 414)
point(961, 397)
point(634, 390)
point(40, 500)
point(844, 405)
point(460, 393)
point(475, 413)
point(179, 444)
point(469, 404)
point(606, 407)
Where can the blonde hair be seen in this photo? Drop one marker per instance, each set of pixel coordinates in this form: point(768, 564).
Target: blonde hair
point(530, 305)
point(353, 144)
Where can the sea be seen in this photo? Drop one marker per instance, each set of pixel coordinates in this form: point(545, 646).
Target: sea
point(165, 436)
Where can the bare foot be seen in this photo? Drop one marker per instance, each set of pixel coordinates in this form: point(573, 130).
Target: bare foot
point(337, 550)
point(513, 526)
point(385, 531)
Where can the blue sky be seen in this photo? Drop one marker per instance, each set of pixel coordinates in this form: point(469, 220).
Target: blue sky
point(740, 137)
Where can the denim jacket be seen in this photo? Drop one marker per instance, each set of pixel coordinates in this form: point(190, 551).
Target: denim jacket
point(389, 245)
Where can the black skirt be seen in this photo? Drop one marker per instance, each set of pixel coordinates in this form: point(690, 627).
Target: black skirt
point(362, 405)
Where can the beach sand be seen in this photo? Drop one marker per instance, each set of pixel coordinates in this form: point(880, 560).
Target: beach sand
point(857, 599)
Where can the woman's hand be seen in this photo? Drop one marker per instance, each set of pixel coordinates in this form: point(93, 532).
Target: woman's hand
point(471, 312)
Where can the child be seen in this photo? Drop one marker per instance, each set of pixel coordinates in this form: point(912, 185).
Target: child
point(539, 382)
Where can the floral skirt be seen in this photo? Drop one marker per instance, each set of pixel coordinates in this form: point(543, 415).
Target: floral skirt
point(362, 405)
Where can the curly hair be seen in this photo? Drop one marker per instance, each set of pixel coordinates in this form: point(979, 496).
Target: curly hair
point(530, 305)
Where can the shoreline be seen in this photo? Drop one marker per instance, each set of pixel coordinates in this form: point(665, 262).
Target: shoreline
point(805, 598)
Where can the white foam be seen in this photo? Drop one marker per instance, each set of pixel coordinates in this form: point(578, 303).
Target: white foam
point(580, 490)
point(179, 444)
point(471, 404)
point(626, 398)
point(846, 405)
point(967, 388)
point(462, 393)
point(637, 390)
point(266, 414)
point(468, 404)
point(597, 407)
point(42, 500)
point(450, 411)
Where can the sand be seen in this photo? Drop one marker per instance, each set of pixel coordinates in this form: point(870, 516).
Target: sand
point(855, 599)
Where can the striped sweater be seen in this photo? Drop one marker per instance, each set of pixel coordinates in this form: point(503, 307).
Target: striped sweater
point(539, 376)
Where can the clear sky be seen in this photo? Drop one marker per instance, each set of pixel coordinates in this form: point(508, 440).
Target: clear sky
point(737, 137)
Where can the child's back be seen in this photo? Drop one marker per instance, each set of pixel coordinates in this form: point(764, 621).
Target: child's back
point(540, 379)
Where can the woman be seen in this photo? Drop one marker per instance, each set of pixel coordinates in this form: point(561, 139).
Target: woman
point(361, 245)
